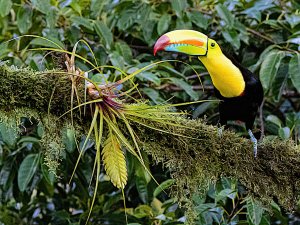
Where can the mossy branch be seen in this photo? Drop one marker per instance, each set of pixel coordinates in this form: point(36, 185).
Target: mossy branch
point(194, 162)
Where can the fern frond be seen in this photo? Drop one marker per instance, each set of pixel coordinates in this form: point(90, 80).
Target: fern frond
point(114, 161)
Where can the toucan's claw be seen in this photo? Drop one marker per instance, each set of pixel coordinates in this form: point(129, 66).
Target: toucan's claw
point(254, 141)
point(220, 132)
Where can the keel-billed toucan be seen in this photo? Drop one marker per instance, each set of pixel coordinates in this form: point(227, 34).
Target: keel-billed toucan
point(238, 88)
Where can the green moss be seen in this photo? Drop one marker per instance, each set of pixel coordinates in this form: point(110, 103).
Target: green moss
point(35, 90)
point(196, 163)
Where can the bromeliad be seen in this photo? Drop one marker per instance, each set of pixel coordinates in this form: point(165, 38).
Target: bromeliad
point(239, 89)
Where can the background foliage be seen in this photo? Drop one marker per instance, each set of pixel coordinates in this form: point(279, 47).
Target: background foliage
point(264, 35)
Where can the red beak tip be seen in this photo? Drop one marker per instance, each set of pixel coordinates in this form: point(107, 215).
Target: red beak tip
point(161, 43)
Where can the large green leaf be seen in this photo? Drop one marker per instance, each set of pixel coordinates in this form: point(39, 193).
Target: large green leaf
point(269, 68)
point(104, 32)
point(27, 169)
point(24, 18)
point(255, 211)
point(294, 70)
point(5, 6)
point(225, 15)
point(262, 57)
point(163, 23)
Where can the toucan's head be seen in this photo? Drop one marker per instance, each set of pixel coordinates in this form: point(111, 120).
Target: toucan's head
point(189, 42)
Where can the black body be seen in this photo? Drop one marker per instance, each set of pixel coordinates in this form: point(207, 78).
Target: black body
point(244, 107)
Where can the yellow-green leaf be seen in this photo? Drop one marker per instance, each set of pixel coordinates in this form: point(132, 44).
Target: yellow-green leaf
point(114, 161)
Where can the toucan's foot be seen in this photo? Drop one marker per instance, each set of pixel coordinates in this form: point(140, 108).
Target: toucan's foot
point(254, 141)
point(220, 132)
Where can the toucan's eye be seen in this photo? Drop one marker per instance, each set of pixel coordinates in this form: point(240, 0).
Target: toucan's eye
point(212, 44)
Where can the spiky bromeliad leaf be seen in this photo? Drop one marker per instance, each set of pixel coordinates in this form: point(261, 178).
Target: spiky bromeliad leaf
point(114, 161)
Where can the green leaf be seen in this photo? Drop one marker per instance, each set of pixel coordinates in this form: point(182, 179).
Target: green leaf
point(4, 50)
point(9, 133)
point(232, 37)
point(76, 6)
point(97, 7)
point(51, 18)
point(269, 68)
point(24, 18)
point(49, 176)
point(255, 211)
point(141, 186)
point(179, 6)
point(153, 95)
point(163, 186)
point(41, 5)
point(47, 43)
point(163, 23)
point(148, 30)
point(28, 139)
point(224, 194)
point(280, 82)
point(149, 76)
point(262, 57)
point(284, 133)
point(294, 70)
point(116, 59)
point(225, 15)
point(293, 19)
point(186, 87)
point(265, 220)
point(259, 5)
point(274, 119)
point(143, 211)
point(104, 32)
point(198, 19)
point(81, 21)
point(5, 6)
point(27, 169)
point(69, 140)
point(202, 108)
point(124, 51)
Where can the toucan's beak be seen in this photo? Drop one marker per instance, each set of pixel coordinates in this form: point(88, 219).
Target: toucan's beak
point(184, 41)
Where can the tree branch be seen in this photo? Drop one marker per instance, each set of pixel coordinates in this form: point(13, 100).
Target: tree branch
point(192, 150)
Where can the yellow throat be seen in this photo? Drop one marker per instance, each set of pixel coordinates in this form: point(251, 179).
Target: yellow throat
point(226, 77)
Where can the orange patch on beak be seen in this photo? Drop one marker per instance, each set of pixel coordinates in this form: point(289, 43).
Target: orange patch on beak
point(192, 42)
